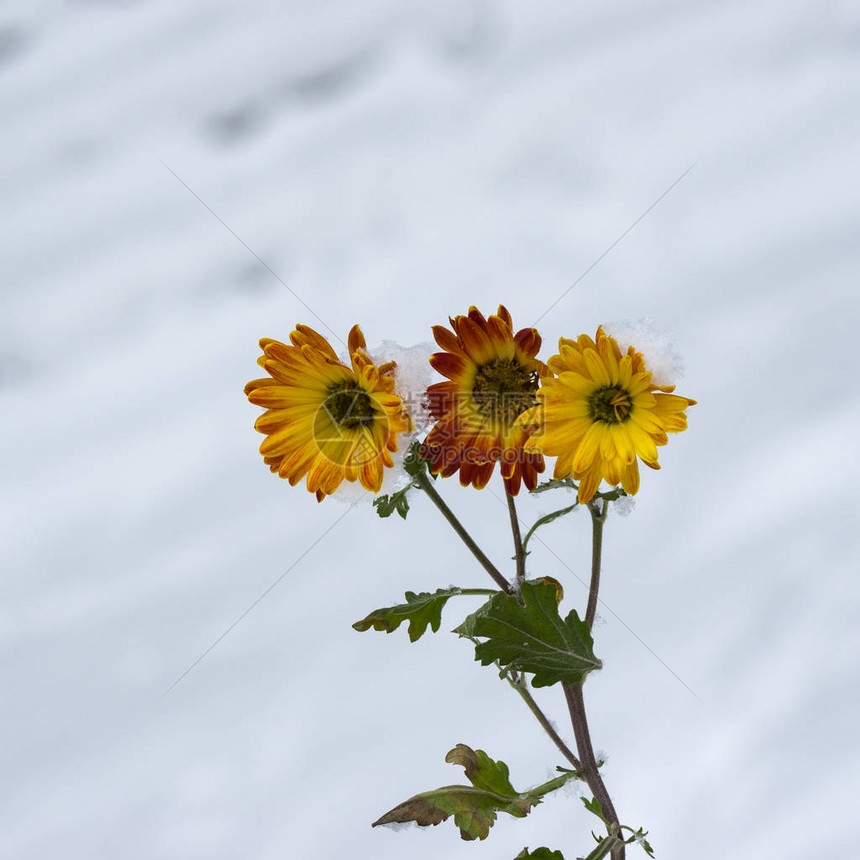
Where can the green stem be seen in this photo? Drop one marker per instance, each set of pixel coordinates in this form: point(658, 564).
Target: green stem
point(608, 844)
point(518, 540)
point(548, 518)
point(598, 518)
point(423, 482)
point(519, 684)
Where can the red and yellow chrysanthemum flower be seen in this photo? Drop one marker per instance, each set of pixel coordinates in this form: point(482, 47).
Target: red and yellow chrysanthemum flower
point(324, 419)
point(492, 378)
point(600, 412)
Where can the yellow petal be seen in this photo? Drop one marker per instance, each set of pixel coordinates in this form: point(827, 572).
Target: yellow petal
point(588, 449)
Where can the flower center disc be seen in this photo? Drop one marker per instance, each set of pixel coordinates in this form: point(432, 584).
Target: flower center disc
point(610, 404)
point(349, 406)
point(503, 389)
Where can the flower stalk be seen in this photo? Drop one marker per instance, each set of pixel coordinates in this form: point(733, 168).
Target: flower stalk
point(598, 518)
point(423, 482)
point(519, 551)
point(589, 768)
point(573, 692)
point(518, 682)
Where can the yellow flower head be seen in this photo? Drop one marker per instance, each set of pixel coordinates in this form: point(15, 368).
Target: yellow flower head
point(324, 419)
point(492, 378)
point(600, 412)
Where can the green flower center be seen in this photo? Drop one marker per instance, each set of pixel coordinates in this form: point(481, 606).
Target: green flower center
point(503, 389)
point(349, 406)
point(610, 404)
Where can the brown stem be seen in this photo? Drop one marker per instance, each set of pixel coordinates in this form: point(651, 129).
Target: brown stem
point(573, 692)
point(590, 771)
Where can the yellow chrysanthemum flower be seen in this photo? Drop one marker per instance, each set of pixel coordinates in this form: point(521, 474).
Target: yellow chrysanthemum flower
point(324, 419)
point(493, 375)
point(600, 412)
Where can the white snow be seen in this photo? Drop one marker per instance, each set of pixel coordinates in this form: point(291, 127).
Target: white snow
point(397, 826)
point(392, 164)
point(658, 348)
point(624, 506)
point(412, 376)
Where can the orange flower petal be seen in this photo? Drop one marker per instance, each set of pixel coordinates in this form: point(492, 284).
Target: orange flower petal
point(446, 339)
point(449, 364)
point(492, 380)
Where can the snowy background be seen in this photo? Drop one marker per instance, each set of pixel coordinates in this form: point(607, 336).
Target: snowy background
point(394, 162)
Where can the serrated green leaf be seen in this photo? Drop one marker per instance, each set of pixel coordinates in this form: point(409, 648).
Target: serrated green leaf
point(531, 636)
point(466, 629)
point(569, 484)
point(481, 770)
point(611, 495)
point(386, 505)
point(639, 837)
point(594, 807)
point(420, 610)
point(539, 854)
point(413, 463)
point(566, 483)
point(475, 808)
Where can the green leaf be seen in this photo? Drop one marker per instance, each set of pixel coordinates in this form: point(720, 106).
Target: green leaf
point(594, 807)
point(481, 770)
point(475, 808)
point(386, 505)
point(531, 636)
point(611, 495)
point(539, 854)
point(413, 463)
point(567, 483)
point(420, 610)
point(639, 837)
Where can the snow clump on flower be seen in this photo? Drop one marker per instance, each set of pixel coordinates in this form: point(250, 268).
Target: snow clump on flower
point(411, 378)
point(656, 346)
